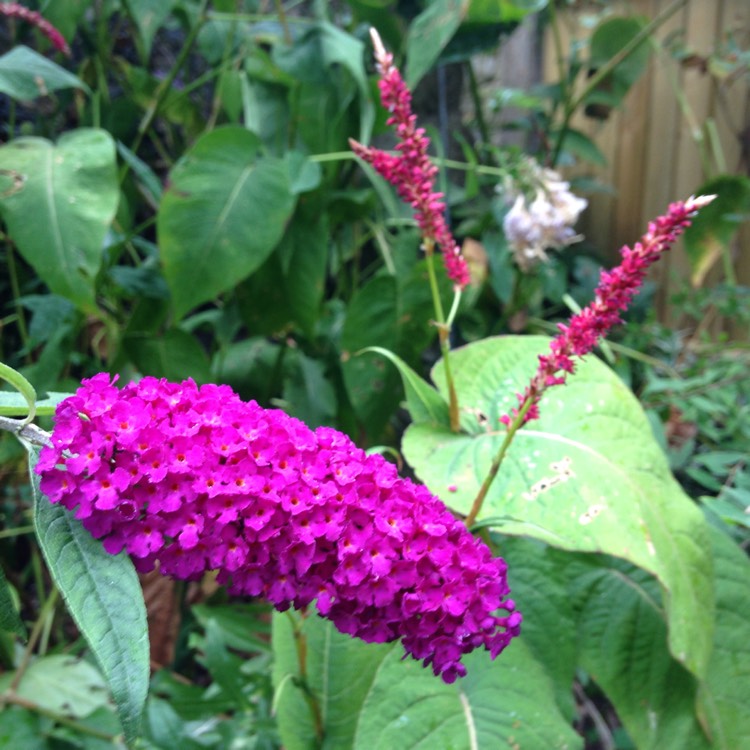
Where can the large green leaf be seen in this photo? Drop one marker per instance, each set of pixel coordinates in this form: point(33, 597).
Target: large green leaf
point(724, 695)
point(25, 74)
point(371, 699)
point(587, 476)
point(104, 597)
point(224, 212)
point(58, 202)
point(711, 232)
point(622, 642)
point(149, 16)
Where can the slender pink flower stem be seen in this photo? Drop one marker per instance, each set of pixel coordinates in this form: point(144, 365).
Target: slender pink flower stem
point(413, 175)
point(614, 293)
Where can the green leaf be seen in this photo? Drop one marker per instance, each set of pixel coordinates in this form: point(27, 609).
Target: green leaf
point(174, 355)
point(370, 383)
point(71, 191)
point(149, 16)
point(20, 728)
point(62, 684)
point(9, 618)
point(224, 212)
point(370, 699)
point(609, 38)
point(24, 388)
point(587, 476)
point(710, 234)
point(104, 598)
point(622, 641)
point(424, 403)
point(724, 695)
point(66, 16)
point(26, 75)
point(429, 34)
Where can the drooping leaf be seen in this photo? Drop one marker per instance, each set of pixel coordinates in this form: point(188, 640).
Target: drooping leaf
point(712, 230)
point(71, 191)
point(425, 404)
point(223, 214)
point(622, 642)
point(25, 75)
point(104, 598)
point(24, 388)
point(587, 476)
point(371, 699)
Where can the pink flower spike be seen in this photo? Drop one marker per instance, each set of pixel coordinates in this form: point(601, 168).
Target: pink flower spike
point(16, 10)
point(412, 173)
point(614, 293)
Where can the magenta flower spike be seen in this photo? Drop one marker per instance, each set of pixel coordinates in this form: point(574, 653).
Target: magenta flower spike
point(614, 293)
point(195, 479)
point(16, 10)
point(412, 173)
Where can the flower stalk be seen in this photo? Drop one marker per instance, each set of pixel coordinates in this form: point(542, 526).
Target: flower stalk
point(614, 293)
point(413, 175)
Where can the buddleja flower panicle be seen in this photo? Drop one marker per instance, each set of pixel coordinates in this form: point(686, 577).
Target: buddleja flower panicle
point(195, 479)
point(411, 172)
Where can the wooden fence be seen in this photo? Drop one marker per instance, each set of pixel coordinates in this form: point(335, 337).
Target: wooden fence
point(652, 157)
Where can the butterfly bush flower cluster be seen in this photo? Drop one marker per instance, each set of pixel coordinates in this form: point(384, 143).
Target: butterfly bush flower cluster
point(411, 172)
point(614, 293)
point(532, 226)
point(195, 479)
point(16, 10)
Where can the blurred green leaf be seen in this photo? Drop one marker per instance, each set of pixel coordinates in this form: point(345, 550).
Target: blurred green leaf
point(9, 617)
point(26, 75)
point(711, 232)
point(174, 355)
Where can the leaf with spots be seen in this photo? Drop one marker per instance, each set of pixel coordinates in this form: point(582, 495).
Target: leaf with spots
point(588, 476)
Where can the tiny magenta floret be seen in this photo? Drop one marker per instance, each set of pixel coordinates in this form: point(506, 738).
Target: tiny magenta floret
point(411, 172)
point(195, 479)
point(614, 293)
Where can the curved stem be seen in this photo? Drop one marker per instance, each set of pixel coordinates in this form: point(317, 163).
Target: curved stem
point(496, 463)
point(300, 643)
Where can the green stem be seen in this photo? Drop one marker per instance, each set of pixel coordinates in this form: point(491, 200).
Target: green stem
point(573, 103)
point(16, 290)
point(513, 428)
point(36, 631)
point(166, 86)
point(443, 336)
point(300, 643)
point(18, 531)
point(283, 22)
point(476, 100)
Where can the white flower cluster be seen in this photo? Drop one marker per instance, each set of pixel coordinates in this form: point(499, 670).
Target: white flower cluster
point(547, 221)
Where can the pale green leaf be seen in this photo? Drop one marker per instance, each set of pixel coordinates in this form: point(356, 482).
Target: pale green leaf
point(587, 476)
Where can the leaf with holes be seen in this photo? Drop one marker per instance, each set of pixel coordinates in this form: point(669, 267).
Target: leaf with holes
point(587, 476)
